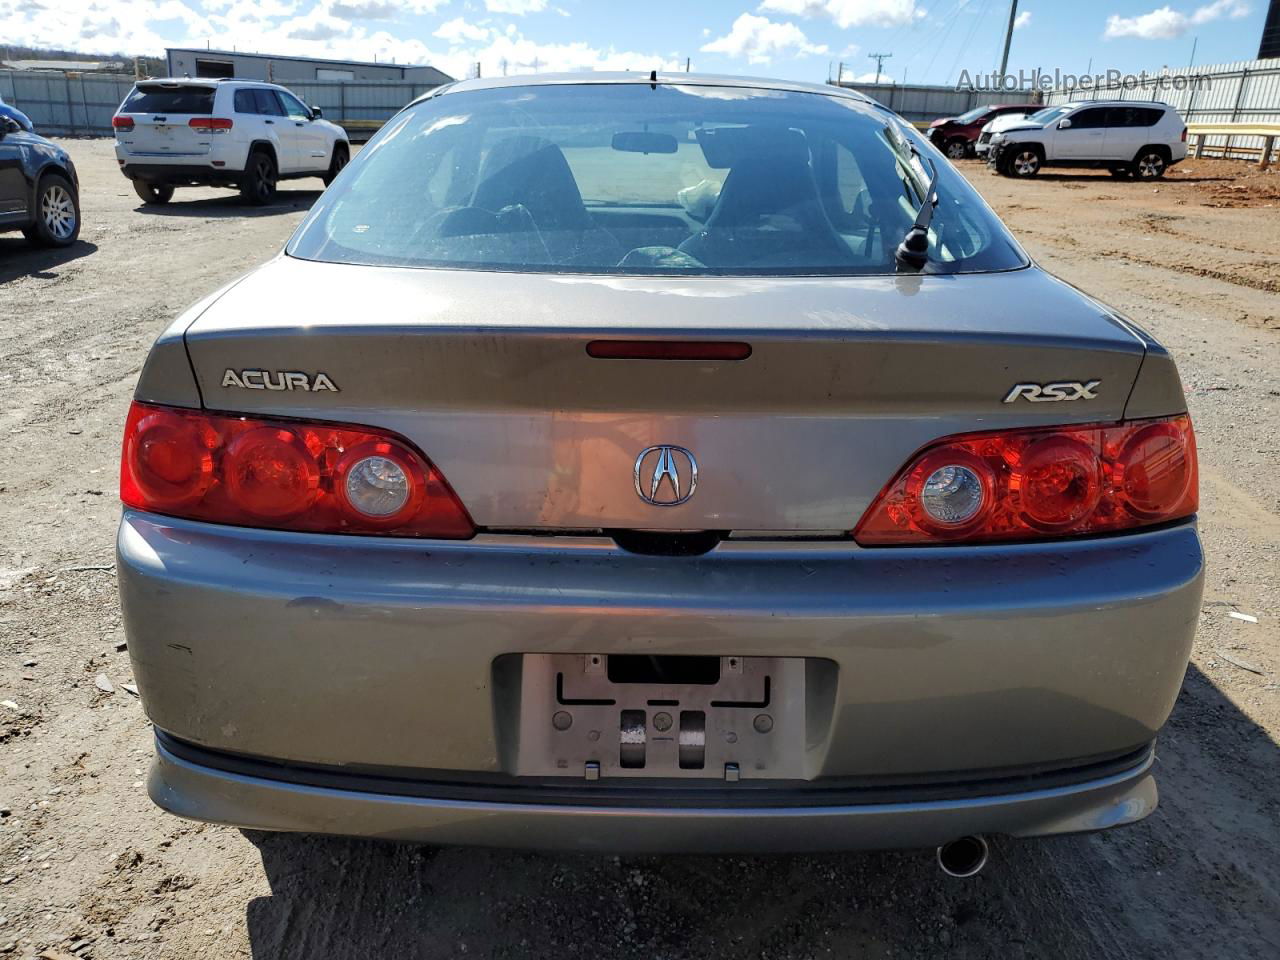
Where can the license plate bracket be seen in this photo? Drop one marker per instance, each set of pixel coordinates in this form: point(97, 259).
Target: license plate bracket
point(578, 719)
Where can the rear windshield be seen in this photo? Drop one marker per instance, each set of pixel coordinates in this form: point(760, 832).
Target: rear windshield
point(624, 178)
point(198, 100)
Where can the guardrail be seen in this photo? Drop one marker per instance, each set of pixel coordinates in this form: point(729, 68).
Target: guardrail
point(1269, 132)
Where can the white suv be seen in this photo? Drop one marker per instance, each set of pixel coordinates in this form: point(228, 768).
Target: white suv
point(234, 133)
point(1129, 138)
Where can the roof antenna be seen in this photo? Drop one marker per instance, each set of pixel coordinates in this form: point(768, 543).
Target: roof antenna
point(653, 79)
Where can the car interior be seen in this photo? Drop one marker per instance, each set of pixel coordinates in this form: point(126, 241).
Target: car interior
point(660, 195)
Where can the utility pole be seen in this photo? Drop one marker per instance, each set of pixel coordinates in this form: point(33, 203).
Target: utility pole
point(1008, 37)
point(1192, 61)
point(879, 58)
point(687, 62)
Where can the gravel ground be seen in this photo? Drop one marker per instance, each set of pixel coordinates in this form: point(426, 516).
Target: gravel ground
point(88, 867)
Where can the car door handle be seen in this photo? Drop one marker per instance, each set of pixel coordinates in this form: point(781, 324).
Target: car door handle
point(297, 123)
point(270, 121)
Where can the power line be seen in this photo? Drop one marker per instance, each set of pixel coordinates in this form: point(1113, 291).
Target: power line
point(943, 42)
point(934, 24)
point(978, 18)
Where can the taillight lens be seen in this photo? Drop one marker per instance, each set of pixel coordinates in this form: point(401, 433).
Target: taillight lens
point(284, 475)
point(210, 123)
point(1184, 134)
point(1029, 484)
point(119, 122)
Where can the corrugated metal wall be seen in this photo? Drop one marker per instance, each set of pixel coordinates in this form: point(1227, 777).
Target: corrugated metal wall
point(83, 104)
point(61, 104)
point(1241, 92)
point(359, 102)
point(920, 103)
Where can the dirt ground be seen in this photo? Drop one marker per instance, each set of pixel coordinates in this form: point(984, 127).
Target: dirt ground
point(88, 867)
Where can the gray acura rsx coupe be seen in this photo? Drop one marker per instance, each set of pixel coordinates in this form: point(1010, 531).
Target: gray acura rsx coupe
point(657, 463)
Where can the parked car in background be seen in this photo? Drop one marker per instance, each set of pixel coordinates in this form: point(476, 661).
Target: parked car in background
point(231, 133)
point(983, 143)
point(1141, 139)
point(39, 189)
point(955, 136)
point(530, 499)
point(16, 115)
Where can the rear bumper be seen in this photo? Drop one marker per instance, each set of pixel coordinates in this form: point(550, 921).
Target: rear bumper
point(200, 791)
point(383, 655)
point(201, 173)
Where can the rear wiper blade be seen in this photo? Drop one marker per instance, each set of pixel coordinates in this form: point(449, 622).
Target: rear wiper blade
point(913, 252)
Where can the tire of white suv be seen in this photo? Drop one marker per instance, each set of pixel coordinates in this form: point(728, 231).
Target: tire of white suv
point(153, 192)
point(57, 221)
point(1151, 163)
point(341, 157)
point(259, 184)
point(1018, 160)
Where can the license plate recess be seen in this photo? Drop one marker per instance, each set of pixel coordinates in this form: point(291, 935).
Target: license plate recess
point(726, 718)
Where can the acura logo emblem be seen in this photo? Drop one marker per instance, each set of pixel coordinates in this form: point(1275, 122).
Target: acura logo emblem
point(666, 476)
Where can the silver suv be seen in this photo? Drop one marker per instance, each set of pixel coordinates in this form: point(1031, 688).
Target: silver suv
point(234, 133)
point(1128, 138)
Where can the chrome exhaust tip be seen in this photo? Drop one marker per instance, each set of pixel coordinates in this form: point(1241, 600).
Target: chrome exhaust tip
point(964, 857)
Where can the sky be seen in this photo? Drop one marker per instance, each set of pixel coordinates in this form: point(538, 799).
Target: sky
point(931, 41)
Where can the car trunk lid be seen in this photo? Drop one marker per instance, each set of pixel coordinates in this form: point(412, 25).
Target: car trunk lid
point(491, 376)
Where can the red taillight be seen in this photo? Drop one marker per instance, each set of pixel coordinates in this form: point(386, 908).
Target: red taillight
point(119, 122)
point(284, 475)
point(1184, 134)
point(1028, 484)
point(210, 123)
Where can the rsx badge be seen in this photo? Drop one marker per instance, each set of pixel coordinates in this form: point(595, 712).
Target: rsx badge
point(1044, 392)
point(279, 380)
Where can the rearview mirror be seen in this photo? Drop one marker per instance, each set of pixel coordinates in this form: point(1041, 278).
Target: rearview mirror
point(645, 142)
point(317, 113)
point(1064, 124)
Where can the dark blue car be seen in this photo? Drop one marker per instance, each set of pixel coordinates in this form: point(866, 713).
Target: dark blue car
point(39, 190)
point(16, 115)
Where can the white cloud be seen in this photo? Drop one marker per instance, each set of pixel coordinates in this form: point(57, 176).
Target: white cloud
point(457, 31)
point(759, 40)
point(98, 26)
point(512, 53)
point(851, 13)
point(316, 25)
point(380, 9)
point(1166, 23)
point(518, 7)
point(308, 28)
point(252, 9)
point(1022, 19)
point(1234, 9)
